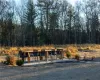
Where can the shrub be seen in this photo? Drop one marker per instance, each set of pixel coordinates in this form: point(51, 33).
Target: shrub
point(68, 54)
point(19, 62)
point(7, 62)
point(10, 60)
point(77, 57)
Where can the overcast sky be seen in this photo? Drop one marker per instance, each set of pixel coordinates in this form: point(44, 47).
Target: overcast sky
point(70, 1)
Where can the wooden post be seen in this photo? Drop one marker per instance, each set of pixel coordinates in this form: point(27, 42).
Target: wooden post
point(28, 57)
point(62, 54)
point(46, 55)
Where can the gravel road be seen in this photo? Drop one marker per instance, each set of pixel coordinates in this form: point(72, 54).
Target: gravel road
point(56, 71)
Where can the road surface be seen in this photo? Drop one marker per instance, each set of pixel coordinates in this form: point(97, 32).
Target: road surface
point(56, 71)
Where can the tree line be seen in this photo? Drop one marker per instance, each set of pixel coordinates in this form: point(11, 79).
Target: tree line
point(49, 22)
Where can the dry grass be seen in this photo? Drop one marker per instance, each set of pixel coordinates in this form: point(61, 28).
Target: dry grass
point(15, 50)
point(73, 49)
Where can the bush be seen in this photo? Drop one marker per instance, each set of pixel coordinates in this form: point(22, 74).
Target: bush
point(19, 62)
point(77, 57)
point(10, 60)
point(7, 62)
point(68, 54)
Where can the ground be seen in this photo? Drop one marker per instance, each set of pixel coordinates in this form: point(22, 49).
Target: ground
point(89, 70)
point(83, 70)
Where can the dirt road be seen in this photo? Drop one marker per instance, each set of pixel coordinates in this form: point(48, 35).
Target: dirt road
point(56, 71)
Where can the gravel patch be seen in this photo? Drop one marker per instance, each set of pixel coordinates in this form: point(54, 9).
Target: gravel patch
point(55, 71)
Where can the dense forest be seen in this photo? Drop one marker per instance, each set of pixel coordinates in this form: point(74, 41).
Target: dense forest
point(49, 22)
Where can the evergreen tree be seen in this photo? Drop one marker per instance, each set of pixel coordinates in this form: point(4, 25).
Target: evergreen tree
point(29, 17)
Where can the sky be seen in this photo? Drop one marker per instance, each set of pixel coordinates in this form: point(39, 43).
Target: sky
point(70, 1)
